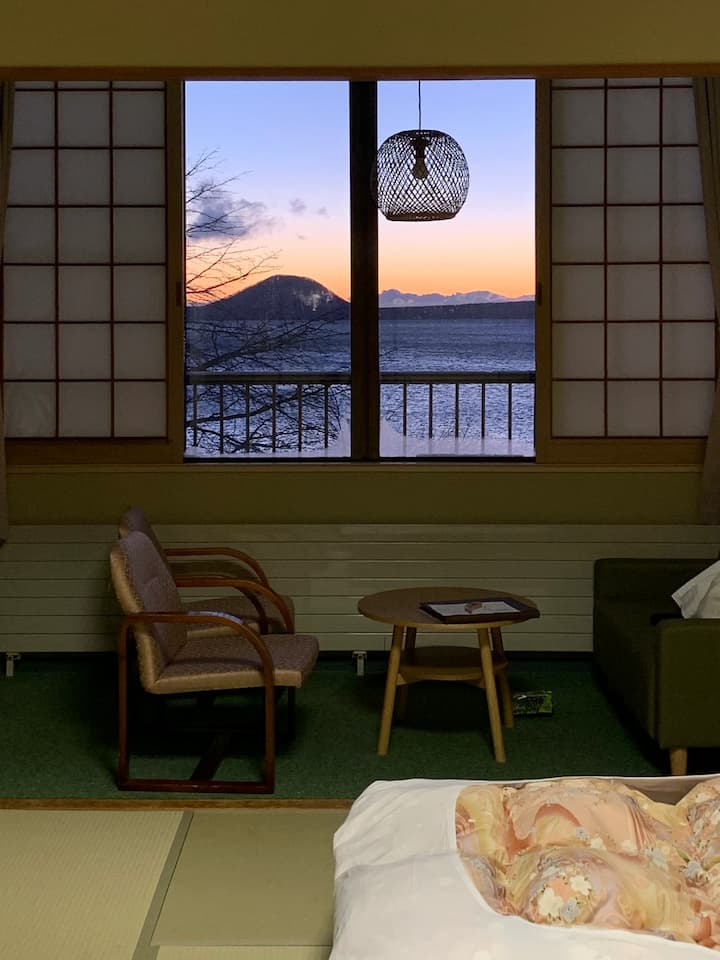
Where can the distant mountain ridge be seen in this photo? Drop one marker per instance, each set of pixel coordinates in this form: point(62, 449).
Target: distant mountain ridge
point(290, 301)
point(281, 295)
point(396, 298)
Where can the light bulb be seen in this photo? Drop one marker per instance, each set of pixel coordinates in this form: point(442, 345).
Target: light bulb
point(419, 170)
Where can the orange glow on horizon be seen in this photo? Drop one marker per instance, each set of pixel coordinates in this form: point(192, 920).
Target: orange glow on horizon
point(446, 258)
point(508, 279)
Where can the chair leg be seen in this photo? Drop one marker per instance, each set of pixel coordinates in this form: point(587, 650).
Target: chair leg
point(269, 764)
point(123, 757)
point(213, 756)
point(291, 713)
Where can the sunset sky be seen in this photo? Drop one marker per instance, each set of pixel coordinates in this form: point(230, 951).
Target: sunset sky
point(287, 144)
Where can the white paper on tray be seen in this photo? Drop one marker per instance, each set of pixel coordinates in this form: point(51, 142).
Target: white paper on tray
point(464, 608)
point(401, 892)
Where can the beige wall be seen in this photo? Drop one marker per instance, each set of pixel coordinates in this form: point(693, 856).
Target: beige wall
point(460, 37)
point(346, 494)
point(512, 34)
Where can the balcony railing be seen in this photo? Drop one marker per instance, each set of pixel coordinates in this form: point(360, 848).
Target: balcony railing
point(301, 413)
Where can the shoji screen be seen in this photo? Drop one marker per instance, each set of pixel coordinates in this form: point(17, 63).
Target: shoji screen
point(632, 311)
point(84, 297)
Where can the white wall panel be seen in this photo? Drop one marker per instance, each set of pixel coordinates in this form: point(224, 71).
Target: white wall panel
point(55, 593)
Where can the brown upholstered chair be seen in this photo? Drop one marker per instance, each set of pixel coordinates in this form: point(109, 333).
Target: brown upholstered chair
point(171, 659)
point(221, 567)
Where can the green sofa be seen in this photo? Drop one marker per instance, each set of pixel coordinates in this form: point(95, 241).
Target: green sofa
point(665, 672)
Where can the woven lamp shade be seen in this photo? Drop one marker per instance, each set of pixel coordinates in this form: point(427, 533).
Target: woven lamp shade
point(421, 175)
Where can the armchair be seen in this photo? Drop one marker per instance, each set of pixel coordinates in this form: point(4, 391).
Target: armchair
point(173, 659)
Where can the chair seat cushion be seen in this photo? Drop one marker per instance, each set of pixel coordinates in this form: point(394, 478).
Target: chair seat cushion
point(231, 662)
point(239, 606)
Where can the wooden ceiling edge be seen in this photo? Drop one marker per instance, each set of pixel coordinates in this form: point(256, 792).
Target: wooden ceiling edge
point(350, 72)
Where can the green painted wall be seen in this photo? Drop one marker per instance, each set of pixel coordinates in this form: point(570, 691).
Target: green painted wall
point(212, 494)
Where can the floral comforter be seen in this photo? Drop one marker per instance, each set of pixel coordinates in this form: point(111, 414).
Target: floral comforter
point(596, 852)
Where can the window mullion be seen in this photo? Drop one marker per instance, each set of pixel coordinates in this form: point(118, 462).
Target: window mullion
point(364, 340)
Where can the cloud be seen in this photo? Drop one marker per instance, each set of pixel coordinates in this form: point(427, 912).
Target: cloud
point(322, 211)
point(217, 214)
point(298, 206)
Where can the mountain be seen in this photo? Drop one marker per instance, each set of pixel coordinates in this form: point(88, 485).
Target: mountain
point(257, 324)
point(292, 299)
point(395, 298)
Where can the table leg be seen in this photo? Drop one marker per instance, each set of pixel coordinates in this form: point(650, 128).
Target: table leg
point(491, 694)
point(402, 693)
point(390, 687)
point(503, 682)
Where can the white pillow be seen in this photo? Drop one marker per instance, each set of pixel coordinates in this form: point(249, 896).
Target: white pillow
point(700, 597)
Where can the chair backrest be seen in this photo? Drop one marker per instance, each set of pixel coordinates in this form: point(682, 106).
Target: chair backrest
point(143, 585)
point(134, 519)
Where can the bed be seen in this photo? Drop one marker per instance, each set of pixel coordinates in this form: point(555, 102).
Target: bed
point(594, 868)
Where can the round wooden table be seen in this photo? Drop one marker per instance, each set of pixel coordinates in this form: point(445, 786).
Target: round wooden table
point(408, 664)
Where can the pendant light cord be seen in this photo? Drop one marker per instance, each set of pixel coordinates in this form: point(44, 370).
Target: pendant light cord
point(419, 108)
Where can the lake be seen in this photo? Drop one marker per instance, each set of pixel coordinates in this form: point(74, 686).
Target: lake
point(449, 344)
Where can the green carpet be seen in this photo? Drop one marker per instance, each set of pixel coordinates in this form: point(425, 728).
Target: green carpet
point(58, 732)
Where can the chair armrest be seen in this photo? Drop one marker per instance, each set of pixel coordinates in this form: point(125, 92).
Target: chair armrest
point(238, 555)
point(195, 617)
point(251, 588)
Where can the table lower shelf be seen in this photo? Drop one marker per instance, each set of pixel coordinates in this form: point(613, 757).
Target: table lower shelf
point(446, 663)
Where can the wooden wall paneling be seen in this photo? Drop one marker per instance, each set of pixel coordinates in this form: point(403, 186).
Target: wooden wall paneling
point(55, 593)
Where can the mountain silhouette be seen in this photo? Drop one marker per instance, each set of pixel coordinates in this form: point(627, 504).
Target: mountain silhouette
point(280, 299)
point(256, 325)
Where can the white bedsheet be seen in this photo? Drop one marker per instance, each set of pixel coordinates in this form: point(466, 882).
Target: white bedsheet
point(401, 890)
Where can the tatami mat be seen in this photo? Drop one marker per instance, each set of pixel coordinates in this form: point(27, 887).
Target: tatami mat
point(252, 878)
point(78, 885)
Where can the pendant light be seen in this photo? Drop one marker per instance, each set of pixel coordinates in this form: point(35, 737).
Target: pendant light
point(420, 174)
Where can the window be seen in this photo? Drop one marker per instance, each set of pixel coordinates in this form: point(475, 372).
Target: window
point(449, 356)
point(268, 269)
point(630, 364)
point(85, 275)
point(93, 312)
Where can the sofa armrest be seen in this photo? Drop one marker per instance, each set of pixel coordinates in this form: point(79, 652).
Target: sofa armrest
point(687, 683)
point(644, 578)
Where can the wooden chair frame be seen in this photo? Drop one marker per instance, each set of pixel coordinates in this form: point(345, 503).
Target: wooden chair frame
point(251, 589)
point(200, 781)
point(210, 551)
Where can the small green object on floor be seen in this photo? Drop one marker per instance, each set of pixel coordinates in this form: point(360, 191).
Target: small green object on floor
point(532, 703)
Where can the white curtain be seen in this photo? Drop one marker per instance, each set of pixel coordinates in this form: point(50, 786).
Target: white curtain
point(6, 127)
point(707, 112)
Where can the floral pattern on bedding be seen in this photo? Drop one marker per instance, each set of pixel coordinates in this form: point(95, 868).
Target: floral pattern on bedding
point(589, 851)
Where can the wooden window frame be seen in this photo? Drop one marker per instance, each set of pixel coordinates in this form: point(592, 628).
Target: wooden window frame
point(365, 447)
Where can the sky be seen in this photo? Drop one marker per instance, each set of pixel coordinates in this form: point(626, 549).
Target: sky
point(284, 144)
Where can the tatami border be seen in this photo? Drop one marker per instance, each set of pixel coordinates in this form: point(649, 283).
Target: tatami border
point(145, 949)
